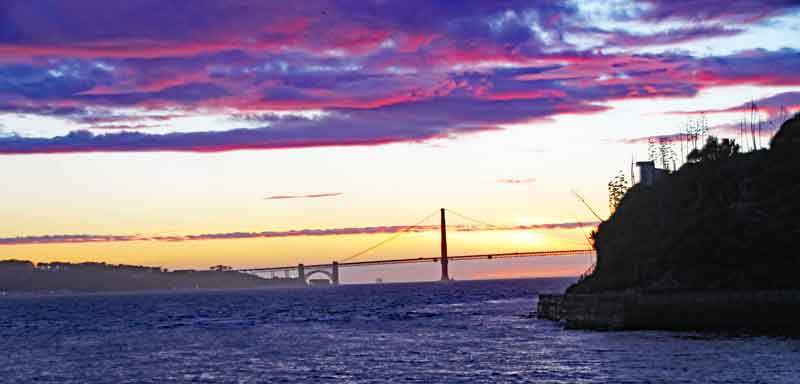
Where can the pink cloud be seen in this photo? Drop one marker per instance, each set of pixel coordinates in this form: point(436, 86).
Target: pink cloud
point(309, 196)
point(86, 238)
point(772, 105)
point(517, 181)
point(388, 72)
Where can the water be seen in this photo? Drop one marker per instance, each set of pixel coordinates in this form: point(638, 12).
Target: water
point(465, 332)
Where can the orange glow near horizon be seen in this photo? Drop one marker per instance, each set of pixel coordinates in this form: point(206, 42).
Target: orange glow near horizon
point(155, 136)
point(262, 252)
point(570, 271)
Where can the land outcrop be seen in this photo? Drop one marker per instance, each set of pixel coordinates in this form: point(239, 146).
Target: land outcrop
point(25, 276)
point(723, 221)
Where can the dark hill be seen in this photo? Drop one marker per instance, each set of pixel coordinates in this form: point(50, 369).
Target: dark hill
point(723, 224)
point(24, 276)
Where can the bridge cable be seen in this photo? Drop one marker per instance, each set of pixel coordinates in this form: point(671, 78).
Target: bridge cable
point(592, 260)
point(395, 236)
point(589, 207)
point(465, 217)
point(588, 240)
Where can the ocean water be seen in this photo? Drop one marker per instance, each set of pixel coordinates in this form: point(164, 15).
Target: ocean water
point(461, 332)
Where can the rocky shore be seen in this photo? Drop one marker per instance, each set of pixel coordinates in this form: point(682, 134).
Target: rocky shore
point(751, 311)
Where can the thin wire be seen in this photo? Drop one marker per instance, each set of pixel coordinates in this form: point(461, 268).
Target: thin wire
point(463, 216)
point(578, 195)
point(384, 241)
point(470, 218)
point(583, 232)
point(592, 261)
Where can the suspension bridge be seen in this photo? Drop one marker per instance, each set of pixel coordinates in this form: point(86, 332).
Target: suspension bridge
point(332, 270)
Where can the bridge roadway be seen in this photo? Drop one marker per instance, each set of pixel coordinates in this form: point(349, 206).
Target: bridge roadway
point(304, 272)
point(489, 256)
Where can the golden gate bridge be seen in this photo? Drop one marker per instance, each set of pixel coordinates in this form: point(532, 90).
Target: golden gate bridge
point(332, 270)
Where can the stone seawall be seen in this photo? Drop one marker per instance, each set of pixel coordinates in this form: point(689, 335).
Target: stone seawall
point(766, 311)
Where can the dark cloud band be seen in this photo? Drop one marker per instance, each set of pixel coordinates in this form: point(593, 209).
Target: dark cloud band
point(85, 238)
point(386, 73)
point(307, 196)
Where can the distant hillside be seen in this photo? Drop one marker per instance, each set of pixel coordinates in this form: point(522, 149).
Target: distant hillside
point(729, 223)
point(24, 276)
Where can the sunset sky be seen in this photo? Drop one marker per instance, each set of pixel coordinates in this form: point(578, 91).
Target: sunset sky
point(253, 133)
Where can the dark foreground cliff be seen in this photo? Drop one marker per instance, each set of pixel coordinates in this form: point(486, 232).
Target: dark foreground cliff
point(714, 245)
point(24, 276)
point(731, 223)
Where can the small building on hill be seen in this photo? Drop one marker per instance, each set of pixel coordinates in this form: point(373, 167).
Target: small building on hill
point(648, 173)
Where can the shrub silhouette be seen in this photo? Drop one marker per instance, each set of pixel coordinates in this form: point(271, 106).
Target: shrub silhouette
point(714, 150)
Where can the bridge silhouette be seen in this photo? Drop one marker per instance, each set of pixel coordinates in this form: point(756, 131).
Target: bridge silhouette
point(332, 270)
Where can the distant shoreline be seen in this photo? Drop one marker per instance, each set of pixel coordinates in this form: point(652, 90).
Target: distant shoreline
point(25, 277)
point(77, 293)
point(64, 293)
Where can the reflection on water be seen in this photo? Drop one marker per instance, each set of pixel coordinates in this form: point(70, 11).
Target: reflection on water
point(463, 332)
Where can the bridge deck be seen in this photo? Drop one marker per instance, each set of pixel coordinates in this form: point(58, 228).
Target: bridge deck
point(488, 256)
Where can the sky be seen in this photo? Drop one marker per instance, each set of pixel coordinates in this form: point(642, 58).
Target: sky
point(251, 133)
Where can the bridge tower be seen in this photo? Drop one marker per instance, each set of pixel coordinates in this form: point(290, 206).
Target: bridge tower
point(335, 273)
point(301, 273)
point(443, 259)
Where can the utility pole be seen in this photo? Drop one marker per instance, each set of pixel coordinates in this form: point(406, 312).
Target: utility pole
point(753, 123)
point(445, 272)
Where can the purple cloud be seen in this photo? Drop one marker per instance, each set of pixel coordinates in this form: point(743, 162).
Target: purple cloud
point(287, 133)
point(517, 181)
point(86, 238)
point(387, 72)
point(407, 122)
point(772, 105)
point(308, 196)
point(68, 239)
point(669, 138)
point(739, 11)
point(759, 67)
point(622, 38)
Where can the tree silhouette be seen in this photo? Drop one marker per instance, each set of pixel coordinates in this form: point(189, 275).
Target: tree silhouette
point(617, 187)
point(714, 150)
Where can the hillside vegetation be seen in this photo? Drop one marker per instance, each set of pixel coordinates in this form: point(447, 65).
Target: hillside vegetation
point(24, 276)
point(722, 221)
